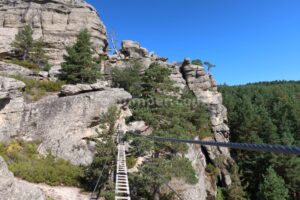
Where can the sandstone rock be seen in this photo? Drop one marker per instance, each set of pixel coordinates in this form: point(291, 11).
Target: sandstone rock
point(133, 49)
point(54, 72)
point(58, 22)
point(43, 74)
point(68, 90)
point(12, 189)
point(11, 107)
point(8, 69)
point(204, 88)
point(63, 123)
point(199, 190)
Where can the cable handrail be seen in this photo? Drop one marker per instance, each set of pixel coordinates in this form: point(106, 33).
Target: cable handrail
point(92, 197)
point(243, 146)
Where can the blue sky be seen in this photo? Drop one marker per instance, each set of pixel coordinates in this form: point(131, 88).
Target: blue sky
point(248, 40)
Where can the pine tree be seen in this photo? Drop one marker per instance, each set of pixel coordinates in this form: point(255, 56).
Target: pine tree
point(236, 190)
point(79, 66)
point(104, 159)
point(24, 42)
point(38, 54)
point(272, 187)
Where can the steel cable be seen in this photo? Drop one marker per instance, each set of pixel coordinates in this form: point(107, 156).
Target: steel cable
point(243, 146)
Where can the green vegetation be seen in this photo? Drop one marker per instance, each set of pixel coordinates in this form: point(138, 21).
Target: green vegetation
point(220, 195)
point(25, 162)
point(104, 158)
point(128, 79)
point(267, 112)
point(209, 65)
point(79, 66)
point(169, 115)
point(197, 62)
point(236, 190)
point(273, 187)
point(25, 63)
point(24, 42)
point(130, 161)
point(212, 170)
point(36, 89)
point(32, 53)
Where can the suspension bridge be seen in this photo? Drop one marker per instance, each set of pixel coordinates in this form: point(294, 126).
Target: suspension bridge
point(122, 189)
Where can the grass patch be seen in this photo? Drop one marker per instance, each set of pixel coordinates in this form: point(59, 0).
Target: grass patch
point(130, 161)
point(25, 162)
point(36, 89)
point(212, 170)
point(25, 63)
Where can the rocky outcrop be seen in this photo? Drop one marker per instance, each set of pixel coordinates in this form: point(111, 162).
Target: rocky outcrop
point(68, 90)
point(206, 186)
point(64, 123)
point(11, 107)
point(8, 69)
point(61, 123)
point(13, 189)
point(132, 49)
point(57, 22)
point(205, 89)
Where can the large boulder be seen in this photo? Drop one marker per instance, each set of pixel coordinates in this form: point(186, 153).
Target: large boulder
point(11, 107)
point(133, 49)
point(57, 22)
point(13, 189)
point(8, 69)
point(64, 123)
point(68, 90)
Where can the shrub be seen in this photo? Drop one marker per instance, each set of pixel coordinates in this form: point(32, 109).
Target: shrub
point(27, 64)
point(130, 162)
point(36, 89)
point(197, 62)
point(211, 169)
point(25, 162)
point(128, 78)
point(47, 67)
point(220, 195)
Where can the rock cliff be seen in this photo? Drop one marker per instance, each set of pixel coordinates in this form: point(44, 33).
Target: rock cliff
point(61, 123)
point(57, 22)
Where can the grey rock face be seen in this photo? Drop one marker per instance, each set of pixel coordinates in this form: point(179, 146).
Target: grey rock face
point(204, 87)
point(11, 107)
point(68, 90)
point(61, 123)
point(8, 69)
point(57, 22)
point(12, 189)
point(199, 190)
point(133, 49)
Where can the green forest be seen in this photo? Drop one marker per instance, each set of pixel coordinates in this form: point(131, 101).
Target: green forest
point(266, 112)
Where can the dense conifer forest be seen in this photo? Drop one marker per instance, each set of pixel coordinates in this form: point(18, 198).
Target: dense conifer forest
point(266, 112)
